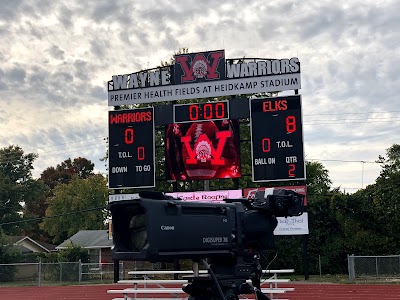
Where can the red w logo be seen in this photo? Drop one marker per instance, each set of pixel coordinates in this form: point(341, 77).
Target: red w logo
point(204, 149)
point(199, 66)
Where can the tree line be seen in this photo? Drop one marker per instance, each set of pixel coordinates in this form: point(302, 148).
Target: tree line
point(70, 197)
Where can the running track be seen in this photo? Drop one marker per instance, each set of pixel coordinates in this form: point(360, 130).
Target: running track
point(303, 291)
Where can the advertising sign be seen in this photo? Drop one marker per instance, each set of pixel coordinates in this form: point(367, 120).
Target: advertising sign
point(208, 196)
point(202, 196)
point(297, 225)
point(204, 75)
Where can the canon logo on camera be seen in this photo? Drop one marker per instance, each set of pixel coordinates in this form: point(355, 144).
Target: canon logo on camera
point(167, 227)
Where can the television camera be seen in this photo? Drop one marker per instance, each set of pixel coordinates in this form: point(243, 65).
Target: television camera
point(228, 237)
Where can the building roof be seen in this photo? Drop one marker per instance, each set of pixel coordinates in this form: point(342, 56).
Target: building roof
point(50, 247)
point(89, 239)
point(19, 241)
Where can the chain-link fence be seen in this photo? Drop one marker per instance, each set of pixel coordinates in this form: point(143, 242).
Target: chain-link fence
point(373, 267)
point(40, 273)
point(57, 273)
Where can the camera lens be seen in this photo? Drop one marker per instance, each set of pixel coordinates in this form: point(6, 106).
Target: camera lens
point(138, 232)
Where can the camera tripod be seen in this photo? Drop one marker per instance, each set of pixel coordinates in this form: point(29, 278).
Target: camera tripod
point(226, 281)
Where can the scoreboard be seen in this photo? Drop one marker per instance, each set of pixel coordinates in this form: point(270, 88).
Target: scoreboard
point(276, 140)
point(131, 148)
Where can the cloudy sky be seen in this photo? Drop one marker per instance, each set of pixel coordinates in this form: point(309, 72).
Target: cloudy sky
point(57, 56)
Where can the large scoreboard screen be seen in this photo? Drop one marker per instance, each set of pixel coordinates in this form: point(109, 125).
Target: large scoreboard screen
point(131, 148)
point(277, 139)
point(202, 141)
point(202, 150)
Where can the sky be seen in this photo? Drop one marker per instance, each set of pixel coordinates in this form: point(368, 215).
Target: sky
point(57, 56)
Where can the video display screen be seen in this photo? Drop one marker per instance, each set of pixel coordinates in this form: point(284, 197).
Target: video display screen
point(202, 150)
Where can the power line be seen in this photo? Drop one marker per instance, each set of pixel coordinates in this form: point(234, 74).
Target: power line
point(342, 160)
point(354, 113)
point(306, 122)
point(72, 142)
point(14, 157)
point(68, 143)
point(341, 122)
point(54, 216)
point(364, 119)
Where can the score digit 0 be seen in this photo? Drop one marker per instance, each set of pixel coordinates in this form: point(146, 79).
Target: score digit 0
point(129, 135)
point(129, 138)
point(266, 145)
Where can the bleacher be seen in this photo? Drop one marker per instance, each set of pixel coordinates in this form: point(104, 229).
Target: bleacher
point(145, 287)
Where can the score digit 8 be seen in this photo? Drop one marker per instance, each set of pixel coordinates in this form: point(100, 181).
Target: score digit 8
point(290, 124)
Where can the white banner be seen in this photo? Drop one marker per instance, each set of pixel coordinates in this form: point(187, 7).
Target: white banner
point(122, 197)
point(292, 225)
point(216, 88)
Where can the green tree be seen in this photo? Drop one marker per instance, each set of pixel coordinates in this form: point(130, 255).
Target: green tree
point(326, 239)
point(8, 255)
point(390, 163)
point(369, 218)
point(75, 206)
point(362, 231)
point(34, 209)
point(385, 197)
point(63, 172)
point(318, 181)
point(74, 253)
point(43, 188)
point(324, 236)
point(16, 184)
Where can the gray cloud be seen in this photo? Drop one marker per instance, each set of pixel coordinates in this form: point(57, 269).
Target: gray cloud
point(8, 9)
point(66, 16)
point(99, 48)
point(56, 52)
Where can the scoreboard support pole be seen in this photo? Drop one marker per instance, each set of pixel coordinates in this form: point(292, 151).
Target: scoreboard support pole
point(116, 261)
point(305, 256)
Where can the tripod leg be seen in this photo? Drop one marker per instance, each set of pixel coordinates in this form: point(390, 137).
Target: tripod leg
point(260, 295)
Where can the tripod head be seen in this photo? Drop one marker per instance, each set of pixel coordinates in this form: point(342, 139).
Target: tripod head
point(227, 279)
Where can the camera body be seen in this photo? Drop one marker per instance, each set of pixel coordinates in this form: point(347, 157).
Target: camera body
point(155, 227)
point(162, 230)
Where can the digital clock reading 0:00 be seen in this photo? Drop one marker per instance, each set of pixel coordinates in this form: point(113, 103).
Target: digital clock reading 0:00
point(218, 110)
